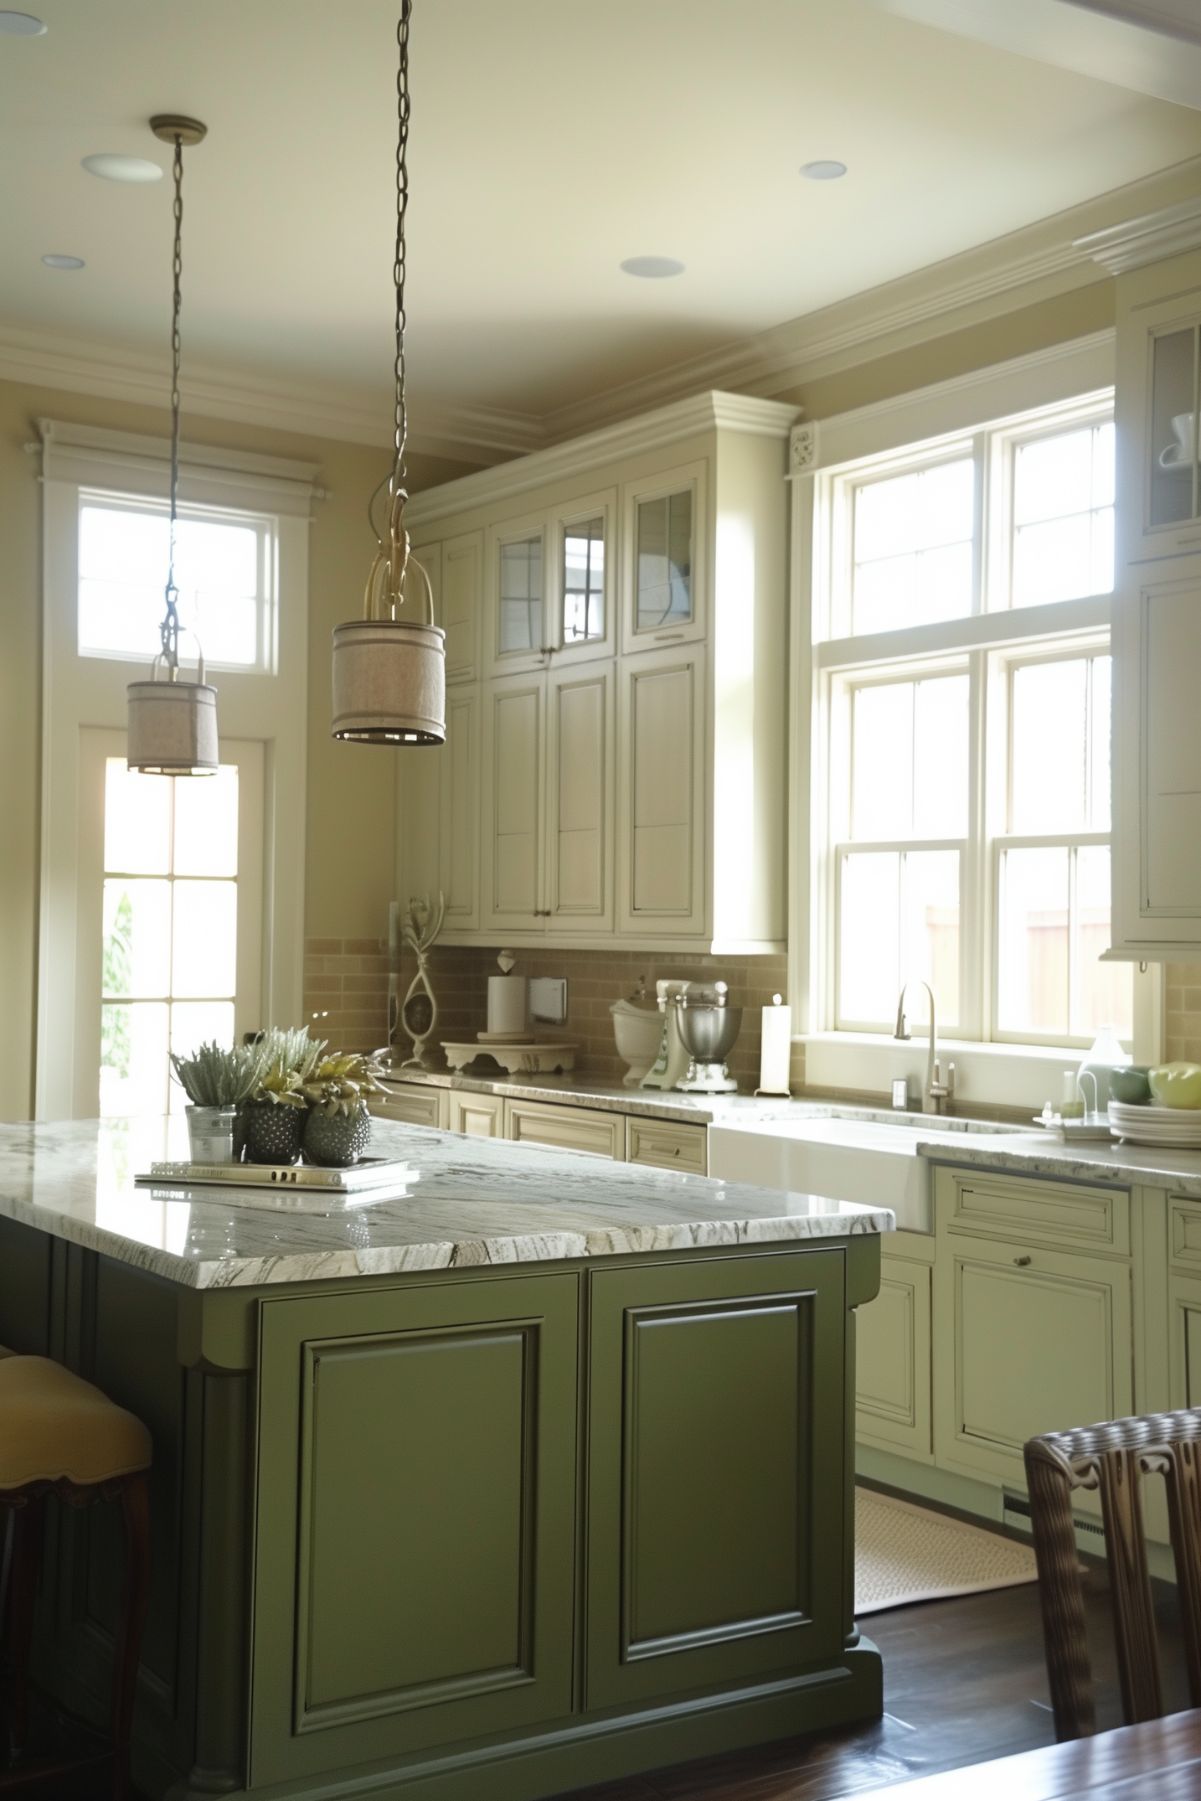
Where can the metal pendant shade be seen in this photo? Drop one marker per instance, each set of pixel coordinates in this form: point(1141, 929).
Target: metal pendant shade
point(389, 667)
point(172, 723)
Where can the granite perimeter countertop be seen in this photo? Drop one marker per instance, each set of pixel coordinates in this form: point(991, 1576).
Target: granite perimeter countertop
point(460, 1203)
point(1041, 1154)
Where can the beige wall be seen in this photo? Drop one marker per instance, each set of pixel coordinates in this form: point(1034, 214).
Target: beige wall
point(348, 865)
point(957, 351)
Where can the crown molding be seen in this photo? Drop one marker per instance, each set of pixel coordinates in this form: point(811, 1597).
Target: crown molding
point(1146, 239)
point(470, 434)
point(686, 418)
point(1035, 263)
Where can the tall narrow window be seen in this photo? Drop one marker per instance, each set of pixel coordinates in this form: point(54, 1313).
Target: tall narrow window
point(170, 929)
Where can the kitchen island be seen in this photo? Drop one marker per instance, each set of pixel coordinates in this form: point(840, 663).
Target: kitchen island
point(532, 1473)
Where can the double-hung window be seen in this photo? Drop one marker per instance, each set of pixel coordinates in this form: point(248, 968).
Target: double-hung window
point(960, 780)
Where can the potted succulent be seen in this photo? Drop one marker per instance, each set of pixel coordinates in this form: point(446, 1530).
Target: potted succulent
point(217, 1079)
point(338, 1126)
point(273, 1113)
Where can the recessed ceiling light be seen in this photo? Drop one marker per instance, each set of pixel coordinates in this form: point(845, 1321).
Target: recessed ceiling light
point(122, 168)
point(823, 170)
point(55, 260)
point(652, 268)
point(21, 25)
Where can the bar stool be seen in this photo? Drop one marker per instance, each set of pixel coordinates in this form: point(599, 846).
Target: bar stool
point(60, 1435)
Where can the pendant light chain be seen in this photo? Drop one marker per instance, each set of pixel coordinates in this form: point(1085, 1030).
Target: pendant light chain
point(170, 625)
point(399, 471)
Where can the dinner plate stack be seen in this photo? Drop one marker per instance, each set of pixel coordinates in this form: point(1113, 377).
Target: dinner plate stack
point(1172, 1128)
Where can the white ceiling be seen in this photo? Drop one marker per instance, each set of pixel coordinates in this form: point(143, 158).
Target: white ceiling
point(550, 139)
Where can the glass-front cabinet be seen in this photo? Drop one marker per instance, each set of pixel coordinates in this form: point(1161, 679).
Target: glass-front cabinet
point(663, 577)
point(1159, 408)
point(552, 585)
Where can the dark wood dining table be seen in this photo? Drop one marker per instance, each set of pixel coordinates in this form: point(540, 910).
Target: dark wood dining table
point(1159, 1760)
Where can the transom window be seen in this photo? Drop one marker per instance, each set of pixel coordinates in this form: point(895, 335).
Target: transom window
point(224, 568)
point(965, 778)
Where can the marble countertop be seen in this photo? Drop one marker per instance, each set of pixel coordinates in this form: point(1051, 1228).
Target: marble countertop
point(1041, 1154)
point(464, 1203)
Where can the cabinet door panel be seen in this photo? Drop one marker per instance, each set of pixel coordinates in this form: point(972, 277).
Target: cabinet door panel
point(459, 810)
point(1171, 756)
point(476, 1115)
point(892, 1360)
point(412, 1104)
point(662, 788)
point(517, 632)
point(583, 584)
point(579, 830)
point(1042, 1342)
point(567, 1128)
point(716, 1542)
point(459, 615)
point(513, 761)
point(418, 1446)
point(665, 532)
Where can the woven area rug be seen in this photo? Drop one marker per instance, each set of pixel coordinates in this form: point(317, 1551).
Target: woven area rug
point(906, 1553)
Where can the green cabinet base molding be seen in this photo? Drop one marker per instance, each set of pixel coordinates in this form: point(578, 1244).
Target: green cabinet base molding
point(455, 1533)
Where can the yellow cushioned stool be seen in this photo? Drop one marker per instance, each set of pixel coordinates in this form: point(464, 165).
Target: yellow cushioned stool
point(60, 1435)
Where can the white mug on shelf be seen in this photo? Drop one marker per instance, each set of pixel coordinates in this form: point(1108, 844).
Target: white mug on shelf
point(1183, 452)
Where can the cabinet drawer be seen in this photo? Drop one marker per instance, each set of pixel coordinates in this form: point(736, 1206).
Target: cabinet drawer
point(414, 1106)
point(1053, 1213)
point(567, 1128)
point(476, 1115)
point(667, 1146)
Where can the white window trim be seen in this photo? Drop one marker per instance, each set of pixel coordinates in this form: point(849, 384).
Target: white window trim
point(993, 1073)
point(77, 692)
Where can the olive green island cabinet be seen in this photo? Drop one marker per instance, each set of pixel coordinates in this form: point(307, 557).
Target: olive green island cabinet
point(528, 1476)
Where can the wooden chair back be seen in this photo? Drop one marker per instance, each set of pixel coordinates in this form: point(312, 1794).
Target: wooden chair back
point(1114, 1458)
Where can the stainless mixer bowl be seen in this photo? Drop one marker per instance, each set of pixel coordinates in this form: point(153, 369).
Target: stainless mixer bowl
point(709, 1032)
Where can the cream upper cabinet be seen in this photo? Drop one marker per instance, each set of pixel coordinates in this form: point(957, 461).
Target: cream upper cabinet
point(459, 609)
point(513, 775)
point(517, 634)
point(632, 625)
point(661, 853)
point(1157, 614)
point(459, 810)
point(581, 757)
point(664, 530)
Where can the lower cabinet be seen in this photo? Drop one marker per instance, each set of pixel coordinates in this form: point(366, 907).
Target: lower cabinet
point(892, 1354)
point(716, 1526)
point(414, 1104)
point(567, 1128)
point(1030, 1340)
point(476, 1115)
point(416, 1516)
point(666, 1144)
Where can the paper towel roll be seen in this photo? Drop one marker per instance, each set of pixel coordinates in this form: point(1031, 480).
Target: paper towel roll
point(775, 1052)
point(506, 1003)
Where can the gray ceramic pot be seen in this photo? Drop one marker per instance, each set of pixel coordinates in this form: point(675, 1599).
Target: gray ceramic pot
point(272, 1132)
point(336, 1139)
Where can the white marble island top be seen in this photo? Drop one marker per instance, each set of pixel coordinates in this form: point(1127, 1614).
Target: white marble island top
point(466, 1203)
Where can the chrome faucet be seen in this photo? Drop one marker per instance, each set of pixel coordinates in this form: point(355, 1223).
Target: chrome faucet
point(936, 1093)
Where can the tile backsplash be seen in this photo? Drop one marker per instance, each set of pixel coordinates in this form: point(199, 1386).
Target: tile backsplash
point(345, 980)
point(1182, 1012)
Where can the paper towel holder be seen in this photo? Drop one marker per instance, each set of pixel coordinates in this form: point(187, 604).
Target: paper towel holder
point(765, 1091)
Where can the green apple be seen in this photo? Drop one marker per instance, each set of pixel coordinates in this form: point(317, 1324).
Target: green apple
point(1177, 1084)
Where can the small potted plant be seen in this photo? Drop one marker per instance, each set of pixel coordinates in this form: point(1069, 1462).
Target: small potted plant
point(217, 1079)
point(273, 1114)
point(338, 1125)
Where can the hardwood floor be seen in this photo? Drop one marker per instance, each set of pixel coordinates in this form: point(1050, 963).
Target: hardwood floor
point(963, 1681)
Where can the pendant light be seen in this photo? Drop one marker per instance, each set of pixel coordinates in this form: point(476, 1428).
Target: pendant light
point(389, 671)
point(172, 723)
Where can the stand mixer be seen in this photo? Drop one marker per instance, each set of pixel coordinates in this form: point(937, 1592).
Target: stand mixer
point(708, 1027)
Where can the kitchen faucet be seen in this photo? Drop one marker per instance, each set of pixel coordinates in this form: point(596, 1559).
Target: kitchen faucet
point(937, 1092)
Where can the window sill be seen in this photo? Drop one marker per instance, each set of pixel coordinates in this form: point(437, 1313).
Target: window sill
point(992, 1075)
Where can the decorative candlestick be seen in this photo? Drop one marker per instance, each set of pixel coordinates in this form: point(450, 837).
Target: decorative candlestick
point(419, 1009)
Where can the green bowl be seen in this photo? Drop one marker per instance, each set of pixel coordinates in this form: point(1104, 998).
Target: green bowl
point(1130, 1084)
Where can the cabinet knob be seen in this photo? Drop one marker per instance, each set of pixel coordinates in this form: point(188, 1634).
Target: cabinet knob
point(1022, 1262)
